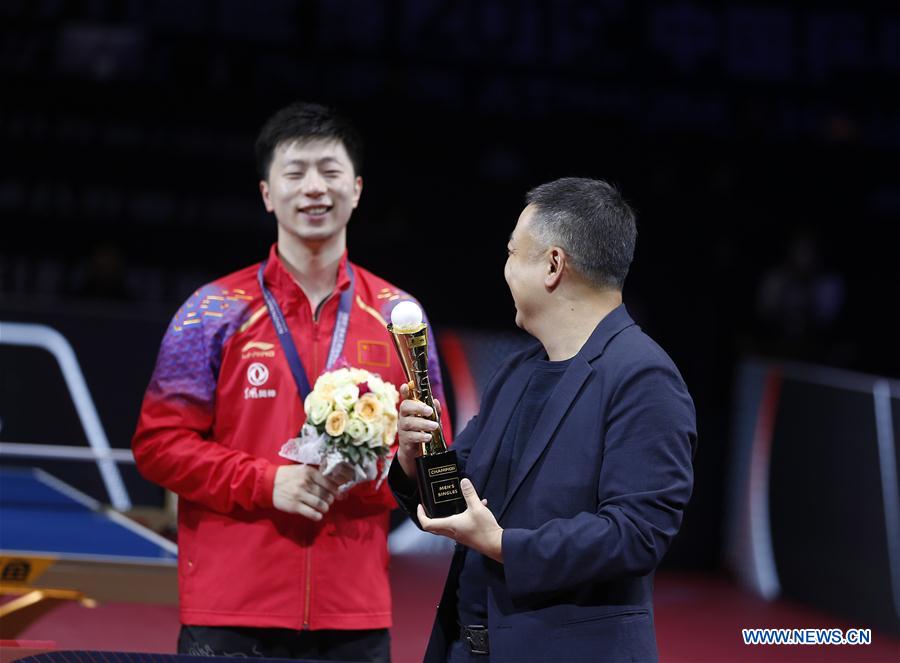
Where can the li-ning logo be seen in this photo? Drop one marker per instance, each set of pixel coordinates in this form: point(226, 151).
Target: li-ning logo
point(256, 349)
point(443, 469)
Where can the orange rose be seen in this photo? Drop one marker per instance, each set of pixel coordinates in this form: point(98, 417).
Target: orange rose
point(390, 428)
point(335, 423)
point(369, 408)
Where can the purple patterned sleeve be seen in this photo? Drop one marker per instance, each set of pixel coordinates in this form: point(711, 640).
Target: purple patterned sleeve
point(191, 351)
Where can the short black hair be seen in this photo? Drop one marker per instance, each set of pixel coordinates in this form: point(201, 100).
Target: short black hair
point(591, 221)
point(305, 121)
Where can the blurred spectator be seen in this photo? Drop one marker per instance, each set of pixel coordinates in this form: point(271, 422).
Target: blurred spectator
point(799, 302)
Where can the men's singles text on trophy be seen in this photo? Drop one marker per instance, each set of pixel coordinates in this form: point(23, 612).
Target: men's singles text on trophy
point(437, 472)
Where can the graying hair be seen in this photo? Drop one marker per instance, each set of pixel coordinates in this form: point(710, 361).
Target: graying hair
point(591, 222)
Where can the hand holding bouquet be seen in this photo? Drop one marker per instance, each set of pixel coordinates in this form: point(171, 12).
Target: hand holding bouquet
point(351, 418)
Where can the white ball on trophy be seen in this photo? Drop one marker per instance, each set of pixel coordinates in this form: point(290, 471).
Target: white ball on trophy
point(406, 314)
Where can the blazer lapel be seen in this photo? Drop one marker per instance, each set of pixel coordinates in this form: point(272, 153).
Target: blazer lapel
point(482, 455)
point(554, 411)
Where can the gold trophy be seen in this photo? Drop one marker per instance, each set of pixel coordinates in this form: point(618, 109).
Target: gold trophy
point(437, 472)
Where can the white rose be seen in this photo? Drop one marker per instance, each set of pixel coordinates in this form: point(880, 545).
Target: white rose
point(391, 392)
point(317, 408)
point(374, 434)
point(356, 429)
point(325, 378)
point(345, 396)
point(340, 377)
point(325, 390)
point(358, 375)
point(386, 402)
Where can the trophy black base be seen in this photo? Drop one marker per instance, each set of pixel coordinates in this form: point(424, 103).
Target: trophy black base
point(437, 476)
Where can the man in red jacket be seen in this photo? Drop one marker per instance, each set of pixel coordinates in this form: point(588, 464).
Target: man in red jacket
point(270, 562)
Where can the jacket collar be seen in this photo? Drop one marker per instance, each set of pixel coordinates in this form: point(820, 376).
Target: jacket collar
point(279, 279)
point(614, 322)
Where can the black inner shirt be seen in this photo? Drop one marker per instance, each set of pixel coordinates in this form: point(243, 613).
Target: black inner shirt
point(477, 570)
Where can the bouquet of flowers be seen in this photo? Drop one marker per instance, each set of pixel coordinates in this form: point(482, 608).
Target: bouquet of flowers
point(351, 417)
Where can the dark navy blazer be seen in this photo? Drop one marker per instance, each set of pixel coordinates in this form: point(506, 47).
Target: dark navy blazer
point(597, 496)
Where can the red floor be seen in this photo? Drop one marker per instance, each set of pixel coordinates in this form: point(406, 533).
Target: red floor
point(698, 618)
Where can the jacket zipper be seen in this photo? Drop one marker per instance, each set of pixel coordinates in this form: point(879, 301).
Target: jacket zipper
point(309, 546)
point(315, 344)
point(308, 587)
point(319, 308)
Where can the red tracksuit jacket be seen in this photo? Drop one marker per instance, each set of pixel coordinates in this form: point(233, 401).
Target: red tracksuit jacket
point(211, 436)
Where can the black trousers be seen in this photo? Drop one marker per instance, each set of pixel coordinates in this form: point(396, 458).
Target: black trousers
point(358, 645)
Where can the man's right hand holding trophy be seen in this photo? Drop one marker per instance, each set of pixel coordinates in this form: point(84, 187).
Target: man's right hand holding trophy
point(448, 506)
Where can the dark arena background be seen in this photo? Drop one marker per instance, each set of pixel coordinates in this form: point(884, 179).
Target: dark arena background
point(759, 143)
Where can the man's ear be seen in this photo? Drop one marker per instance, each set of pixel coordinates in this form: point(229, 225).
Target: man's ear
point(264, 190)
point(556, 263)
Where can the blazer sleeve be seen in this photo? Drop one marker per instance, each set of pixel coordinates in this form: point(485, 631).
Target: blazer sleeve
point(644, 484)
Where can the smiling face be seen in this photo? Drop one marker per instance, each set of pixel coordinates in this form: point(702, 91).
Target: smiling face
point(312, 189)
point(525, 270)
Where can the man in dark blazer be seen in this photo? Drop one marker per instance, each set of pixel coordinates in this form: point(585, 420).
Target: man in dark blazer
point(578, 466)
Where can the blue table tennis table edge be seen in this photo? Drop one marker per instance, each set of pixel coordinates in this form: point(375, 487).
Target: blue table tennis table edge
point(94, 505)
